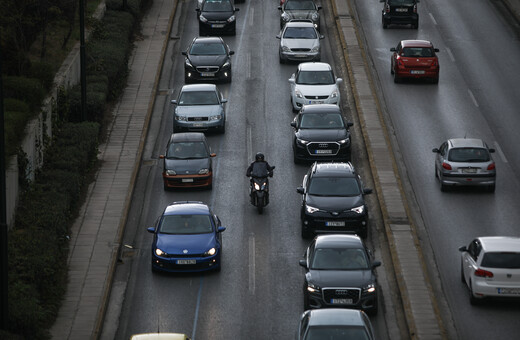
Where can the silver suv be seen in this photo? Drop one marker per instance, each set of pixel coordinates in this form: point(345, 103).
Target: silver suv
point(465, 161)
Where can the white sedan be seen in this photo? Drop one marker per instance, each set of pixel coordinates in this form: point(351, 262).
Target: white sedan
point(314, 83)
point(490, 267)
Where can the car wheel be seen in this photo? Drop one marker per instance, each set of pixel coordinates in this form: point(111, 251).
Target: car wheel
point(306, 234)
point(385, 25)
point(282, 59)
point(415, 25)
point(201, 32)
point(391, 69)
point(373, 311)
point(462, 279)
point(187, 80)
point(491, 188)
point(219, 268)
point(222, 129)
point(397, 79)
point(165, 186)
point(472, 299)
point(364, 233)
point(230, 76)
point(292, 106)
point(435, 80)
point(443, 186)
point(306, 305)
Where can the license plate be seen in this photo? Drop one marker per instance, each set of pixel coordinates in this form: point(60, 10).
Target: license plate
point(417, 72)
point(316, 102)
point(335, 224)
point(469, 171)
point(186, 261)
point(401, 9)
point(508, 290)
point(198, 125)
point(187, 180)
point(323, 151)
point(217, 25)
point(207, 74)
point(341, 301)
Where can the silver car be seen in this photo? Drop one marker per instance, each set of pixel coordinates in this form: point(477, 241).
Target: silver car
point(299, 41)
point(199, 107)
point(465, 161)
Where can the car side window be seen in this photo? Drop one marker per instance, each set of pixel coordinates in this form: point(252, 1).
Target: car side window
point(398, 49)
point(474, 249)
point(443, 149)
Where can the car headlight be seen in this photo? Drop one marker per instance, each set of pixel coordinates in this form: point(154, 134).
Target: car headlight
point(211, 252)
point(370, 288)
point(315, 17)
point(315, 49)
point(285, 49)
point(358, 210)
point(231, 18)
point(226, 64)
point(334, 94)
point(344, 141)
point(298, 93)
point(302, 142)
point(313, 288)
point(285, 17)
point(311, 210)
point(181, 118)
point(202, 18)
point(204, 171)
point(215, 117)
point(159, 252)
point(188, 64)
point(170, 172)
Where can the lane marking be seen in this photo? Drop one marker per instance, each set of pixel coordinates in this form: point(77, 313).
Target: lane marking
point(252, 16)
point(450, 54)
point(499, 151)
point(197, 309)
point(248, 63)
point(473, 98)
point(252, 264)
point(249, 143)
point(433, 19)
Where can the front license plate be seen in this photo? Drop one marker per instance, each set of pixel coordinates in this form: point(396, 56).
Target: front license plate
point(207, 74)
point(217, 26)
point(341, 301)
point(187, 180)
point(186, 261)
point(323, 151)
point(417, 72)
point(335, 224)
point(316, 102)
point(508, 290)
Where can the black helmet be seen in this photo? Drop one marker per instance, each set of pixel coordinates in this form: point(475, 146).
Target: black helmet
point(259, 157)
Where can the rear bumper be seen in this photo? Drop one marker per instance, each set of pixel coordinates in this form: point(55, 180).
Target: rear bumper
point(188, 181)
point(400, 19)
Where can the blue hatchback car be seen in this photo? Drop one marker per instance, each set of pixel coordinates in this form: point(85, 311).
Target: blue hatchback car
point(187, 238)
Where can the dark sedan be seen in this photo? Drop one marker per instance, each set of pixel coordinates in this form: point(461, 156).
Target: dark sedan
point(217, 16)
point(339, 272)
point(187, 161)
point(207, 58)
point(187, 238)
point(300, 9)
point(321, 134)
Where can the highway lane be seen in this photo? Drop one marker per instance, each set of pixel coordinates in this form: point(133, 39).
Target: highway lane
point(477, 96)
point(258, 293)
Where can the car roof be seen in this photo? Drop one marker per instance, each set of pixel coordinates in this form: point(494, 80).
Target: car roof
point(187, 137)
point(198, 87)
point(339, 169)
point(338, 241)
point(321, 108)
point(335, 316)
point(299, 23)
point(500, 243)
point(187, 207)
point(466, 142)
point(416, 43)
point(208, 40)
point(313, 65)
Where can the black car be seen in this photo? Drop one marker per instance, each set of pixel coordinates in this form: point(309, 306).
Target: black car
point(300, 9)
point(207, 58)
point(402, 12)
point(321, 134)
point(217, 16)
point(339, 272)
point(332, 200)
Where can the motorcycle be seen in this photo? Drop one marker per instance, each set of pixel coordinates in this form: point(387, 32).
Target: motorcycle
point(260, 192)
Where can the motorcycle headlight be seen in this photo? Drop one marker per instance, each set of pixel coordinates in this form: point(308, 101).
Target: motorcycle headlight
point(302, 142)
point(202, 18)
point(204, 171)
point(231, 18)
point(313, 288)
point(358, 210)
point(311, 210)
point(215, 117)
point(181, 118)
point(315, 49)
point(285, 49)
point(211, 252)
point(257, 186)
point(170, 172)
point(159, 252)
point(370, 288)
point(298, 93)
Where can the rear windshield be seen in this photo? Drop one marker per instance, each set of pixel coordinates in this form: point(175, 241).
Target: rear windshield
point(468, 155)
point(501, 260)
point(418, 52)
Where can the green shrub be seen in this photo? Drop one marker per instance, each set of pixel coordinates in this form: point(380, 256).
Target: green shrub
point(15, 123)
point(43, 72)
point(29, 90)
point(95, 105)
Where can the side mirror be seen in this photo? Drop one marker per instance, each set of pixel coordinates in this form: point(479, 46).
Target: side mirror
point(303, 263)
point(278, 36)
point(435, 150)
point(273, 167)
point(220, 229)
point(293, 124)
point(376, 264)
point(367, 191)
point(300, 190)
point(349, 124)
point(322, 36)
point(223, 100)
point(463, 249)
point(436, 49)
point(184, 53)
point(237, 9)
point(231, 52)
point(292, 80)
point(393, 49)
point(491, 150)
point(173, 101)
point(339, 80)
point(280, 8)
point(151, 230)
point(161, 156)
point(197, 9)
point(319, 7)
point(213, 154)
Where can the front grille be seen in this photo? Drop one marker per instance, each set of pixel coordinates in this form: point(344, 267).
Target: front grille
point(341, 293)
point(315, 147)
point(212, 69)
point(182, 255)
point(316, 97)
point(300, 49)
point(198, 119)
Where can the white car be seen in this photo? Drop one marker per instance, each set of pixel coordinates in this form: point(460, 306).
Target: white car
point(314, 83)
point(490, 267)
point(299, 41)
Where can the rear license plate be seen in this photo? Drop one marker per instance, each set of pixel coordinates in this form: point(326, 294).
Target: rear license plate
point(187, 180)
point(217, 25)
point(323, 151)
point(207, 74)
point(335, 224)
point(469, 171)
point(508, 290)
point(341, 301)
point(417, 72)
point(316, 102)
point(186, 261)
point(401, 9)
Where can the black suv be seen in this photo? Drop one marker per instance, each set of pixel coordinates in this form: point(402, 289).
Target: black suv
point(332, 200)
point(217, 16)
point(321, 134)
point(401, 12)
point(339, 272)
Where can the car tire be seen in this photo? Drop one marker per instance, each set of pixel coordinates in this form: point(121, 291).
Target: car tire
point(222, 129)
point(397, 79)
point(306, 304)
point(373, 311)
point(292, 107)
point(462, 279)
point(364, 233)
point(165, 187)
point(491, 188)
point(186, 79)
point(230, 77)
point(472, 299)
point(202, 32)
point(385, 25)
point(306, 234)
point(415, 25)
point(443, 186)
point(391, 69)
point(435, 80)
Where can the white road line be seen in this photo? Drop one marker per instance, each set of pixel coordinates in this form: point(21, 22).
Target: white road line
point(450, 54)
point(433, 19)
point(252, 264)
point(500, 153)
point(472, 97)
point(248, 63)
point(249, 143)
point(252, 16)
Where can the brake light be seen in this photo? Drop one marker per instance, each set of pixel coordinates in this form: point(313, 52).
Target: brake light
point(491, 166)
point(387, 8)
point(483, 273)
point(415, 8)
point(446, 166)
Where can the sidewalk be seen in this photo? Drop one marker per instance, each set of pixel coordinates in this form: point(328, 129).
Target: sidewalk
point(97, 232)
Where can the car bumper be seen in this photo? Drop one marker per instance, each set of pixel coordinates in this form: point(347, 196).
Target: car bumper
point(300, 56)
point(461, 179)
point(185, 181)
point(417, 74)
point(218, 27)
point(198, 126)
point(220, 75)
point(366, 301)
point(304, 154)
point(299, 102)
point(401, 19)
point(483, 288)
point(172, 264)
point(323, 223)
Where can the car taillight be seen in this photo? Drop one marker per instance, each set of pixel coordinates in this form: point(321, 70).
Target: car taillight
point(483, 273)
point(415, 8)
point(446, 166)
point(387, 8)
point(491, 166)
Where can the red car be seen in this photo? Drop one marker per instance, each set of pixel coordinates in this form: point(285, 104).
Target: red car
point(415, 59)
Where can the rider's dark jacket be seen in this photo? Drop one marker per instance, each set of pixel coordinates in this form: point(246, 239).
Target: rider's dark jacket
point(259, 169)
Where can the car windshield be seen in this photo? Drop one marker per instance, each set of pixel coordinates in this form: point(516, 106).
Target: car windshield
point(187, 150)
point(418, 52)
point(509, 260)
point(339, 259)
point(186, 224)
point(300, 33)
point(188, 98)
point(299, 5)
point(207, 49)
point(321, 121)
point(315, 78)
point(336, 333)
point(334, 186)
point(217, 6)
point(468, 155)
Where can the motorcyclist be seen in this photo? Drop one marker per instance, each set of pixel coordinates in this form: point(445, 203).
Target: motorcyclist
point(259, 168)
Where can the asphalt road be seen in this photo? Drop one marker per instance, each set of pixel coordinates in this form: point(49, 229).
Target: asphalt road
point(477, 96)
point(258, 293)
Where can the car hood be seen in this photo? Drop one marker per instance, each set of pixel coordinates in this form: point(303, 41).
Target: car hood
point(177, 244)
point(208, 60)
point(417, 62)
point(198, 110)
point(186, 166)
point(340, 278)
point(299, 14)
point(300, 43)
point(218, 16)
point(322, 135)
point(316, 90)
point(334, 203)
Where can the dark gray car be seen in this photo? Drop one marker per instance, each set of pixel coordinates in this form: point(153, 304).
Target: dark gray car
point(300, 9)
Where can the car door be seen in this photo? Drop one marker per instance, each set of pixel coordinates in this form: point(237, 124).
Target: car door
point(440, 156)
point(469, 263)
